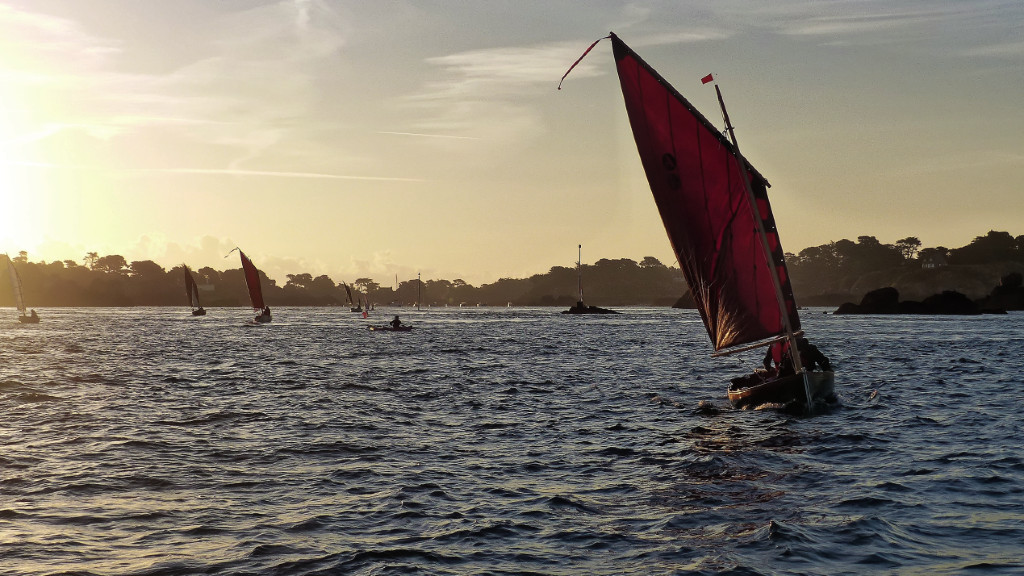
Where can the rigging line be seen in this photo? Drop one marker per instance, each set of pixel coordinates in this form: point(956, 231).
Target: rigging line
point(587, 51)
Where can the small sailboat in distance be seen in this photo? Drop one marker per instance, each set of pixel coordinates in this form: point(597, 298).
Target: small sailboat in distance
point(192, 293)
point(19, 296)
point(252, 282)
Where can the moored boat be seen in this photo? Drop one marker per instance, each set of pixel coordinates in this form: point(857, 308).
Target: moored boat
point(580, 307)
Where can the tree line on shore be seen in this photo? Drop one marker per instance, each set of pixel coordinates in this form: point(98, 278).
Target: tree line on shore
point(824, 274)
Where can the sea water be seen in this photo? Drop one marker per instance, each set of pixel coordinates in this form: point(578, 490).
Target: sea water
point(500, 441)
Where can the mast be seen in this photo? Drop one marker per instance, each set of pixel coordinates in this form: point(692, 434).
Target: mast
point(794, 352)
point(19, 296)
point(579, 271)
point(418, 284)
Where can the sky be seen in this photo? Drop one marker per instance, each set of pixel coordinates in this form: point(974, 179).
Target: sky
point(385, 139)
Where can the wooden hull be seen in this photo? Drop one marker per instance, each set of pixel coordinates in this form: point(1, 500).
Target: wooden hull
point(751, 391)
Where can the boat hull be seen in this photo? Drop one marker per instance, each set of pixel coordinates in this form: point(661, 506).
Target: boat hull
point(28, 319)
point(751, 391)
point(199, 312)
point(390, 329)
point(262, 319)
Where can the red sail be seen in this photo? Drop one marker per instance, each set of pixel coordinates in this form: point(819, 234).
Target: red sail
point(252, 280)
point(694, 174)
point(191, 291)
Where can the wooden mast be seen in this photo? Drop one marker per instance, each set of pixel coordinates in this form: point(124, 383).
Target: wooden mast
point(794, 352)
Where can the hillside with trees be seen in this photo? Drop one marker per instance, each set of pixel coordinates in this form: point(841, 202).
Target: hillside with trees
point(113, 281)
point(845, 270)
point(829, 274)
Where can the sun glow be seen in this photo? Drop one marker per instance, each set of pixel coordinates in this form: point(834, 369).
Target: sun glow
point(18, 227)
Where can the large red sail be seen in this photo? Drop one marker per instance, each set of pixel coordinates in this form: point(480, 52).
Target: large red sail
point(252, 281)
point(694, 174)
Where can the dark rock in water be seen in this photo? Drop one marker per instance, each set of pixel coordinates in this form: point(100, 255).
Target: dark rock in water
point(882, 301)
point(887, 301)
point(950, 302)
point(912, 307)
point(580, 308)
point(848, 308)
point(1009, 295)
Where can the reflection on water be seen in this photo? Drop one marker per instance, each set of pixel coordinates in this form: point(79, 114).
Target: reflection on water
point(499, 441)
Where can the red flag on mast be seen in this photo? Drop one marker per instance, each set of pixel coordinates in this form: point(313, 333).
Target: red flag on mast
point(707, 79)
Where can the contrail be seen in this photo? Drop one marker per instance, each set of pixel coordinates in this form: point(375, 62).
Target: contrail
point(430, 135)
point(219, 172)
point(232, 172)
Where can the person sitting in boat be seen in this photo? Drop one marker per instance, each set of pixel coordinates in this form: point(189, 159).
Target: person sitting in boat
point(811, 357)
point(395, 323)
point(33, 314)
point(776, 360)
point(779, 355)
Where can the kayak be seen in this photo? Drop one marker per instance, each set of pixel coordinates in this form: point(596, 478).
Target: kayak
point(390, 328)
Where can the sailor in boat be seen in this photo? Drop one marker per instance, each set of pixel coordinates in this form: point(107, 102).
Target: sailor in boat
point(265, 313)
point(779, 362)
point(395, 323)
point(34, 315)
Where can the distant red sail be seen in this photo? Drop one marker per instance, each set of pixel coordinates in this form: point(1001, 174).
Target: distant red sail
point(191, 290)
point(252, 281)
point(695, 176)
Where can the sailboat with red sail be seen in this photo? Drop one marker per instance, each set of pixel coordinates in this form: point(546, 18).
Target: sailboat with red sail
point(19, 295)
point(192, 293)
point(715, 209)
point(252, 282)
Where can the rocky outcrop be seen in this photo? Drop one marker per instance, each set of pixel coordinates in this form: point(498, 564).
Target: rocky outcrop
point(1009, 295)
point(581, 308)
point(887, 301)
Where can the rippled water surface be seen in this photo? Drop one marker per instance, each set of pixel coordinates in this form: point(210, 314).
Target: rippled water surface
point(500, 441)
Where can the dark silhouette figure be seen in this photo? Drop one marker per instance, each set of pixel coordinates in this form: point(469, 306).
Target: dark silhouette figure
point(395, 323)
point(779, 361)
point(811, 357)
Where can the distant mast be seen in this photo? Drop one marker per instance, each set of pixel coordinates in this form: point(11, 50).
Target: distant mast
point(418, 284)
point(579, 273)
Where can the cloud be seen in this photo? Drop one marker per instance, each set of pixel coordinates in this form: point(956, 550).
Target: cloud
point(257, 73)
point(683, 37)
point(1002, 50)
point(486, 93)
point(429, 135)
point(843, 21)
point(276, 174)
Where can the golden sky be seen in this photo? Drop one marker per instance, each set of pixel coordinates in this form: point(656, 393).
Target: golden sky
point(385, 138)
